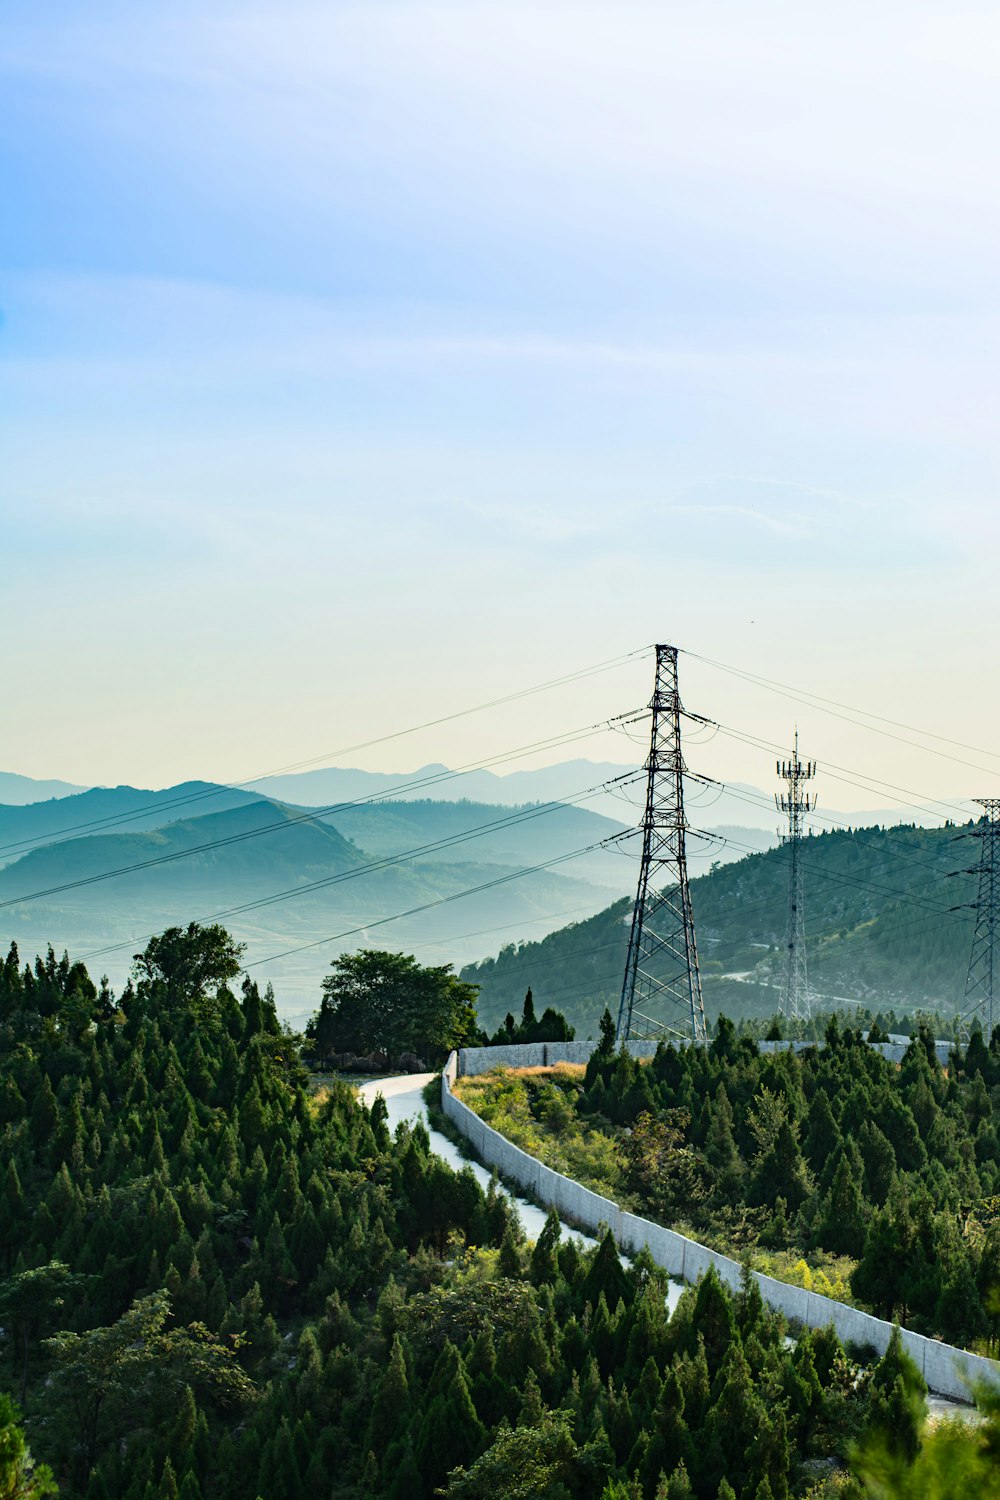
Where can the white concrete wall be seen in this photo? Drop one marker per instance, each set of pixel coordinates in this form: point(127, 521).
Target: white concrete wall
point(947, 1371)
point(475, 1060)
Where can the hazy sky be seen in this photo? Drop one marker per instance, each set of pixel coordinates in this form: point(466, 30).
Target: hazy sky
point(363, 362)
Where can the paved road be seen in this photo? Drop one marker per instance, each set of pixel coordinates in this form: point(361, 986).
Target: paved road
point(404, 1100)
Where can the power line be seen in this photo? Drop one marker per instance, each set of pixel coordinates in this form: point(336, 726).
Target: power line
point(524, 966)
point(314, 815)
point(836, 825)
point(979, 983)
point(831, 767)
point(217, 789)
point(523, 815)
point(841, 879)
point(439, 901)
point(826, 705)
point(531, 964)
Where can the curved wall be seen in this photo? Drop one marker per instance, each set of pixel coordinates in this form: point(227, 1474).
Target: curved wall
point(947, 1370)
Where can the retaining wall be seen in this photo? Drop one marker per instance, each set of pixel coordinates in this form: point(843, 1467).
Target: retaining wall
point(947, 1371)
point(475, 1060)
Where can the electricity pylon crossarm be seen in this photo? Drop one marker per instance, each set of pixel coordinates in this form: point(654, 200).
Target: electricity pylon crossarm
point(661, 991)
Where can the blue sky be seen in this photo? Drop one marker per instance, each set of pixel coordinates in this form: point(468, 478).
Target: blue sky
point(359, 362)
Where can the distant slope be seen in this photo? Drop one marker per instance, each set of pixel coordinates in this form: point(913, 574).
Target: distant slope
point(737, 806)
point(105, 808)
point(289, 850)
point(555, 783)
point(382, 826)
point(191, 881)
point(512, 836)
point(879, 926)
point(17, 790)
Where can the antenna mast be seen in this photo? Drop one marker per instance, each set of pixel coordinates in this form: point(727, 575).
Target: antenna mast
point(795, 1003)
point(661, 992)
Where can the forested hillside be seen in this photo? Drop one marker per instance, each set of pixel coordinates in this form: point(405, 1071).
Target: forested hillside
point(214, 1282)
point(880, 929)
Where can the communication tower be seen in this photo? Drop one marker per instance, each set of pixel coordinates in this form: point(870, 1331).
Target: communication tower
point(795, 1003)
point(661, 992)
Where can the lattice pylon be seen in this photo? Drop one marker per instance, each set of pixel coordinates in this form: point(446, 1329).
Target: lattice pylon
point(661, 991)
point(978, 1002)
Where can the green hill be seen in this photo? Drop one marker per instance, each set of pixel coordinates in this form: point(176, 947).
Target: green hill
point(880, 927)
point(103, 809)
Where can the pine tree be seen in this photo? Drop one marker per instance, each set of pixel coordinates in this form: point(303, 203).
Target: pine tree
point(544, 1263)
point(896, 1405)
point(721, 1150)
point(168, 1483)
point(510, 1255)
point(880, 1162)
point(822, 1134)
point(842, 1228)
point(606, 1276)
point(391, 1408)
point(713, 1319)
point(20, 1477)
point(879, 1277)
point(678, 1486)
point(450, 1432)
point(735, 1422)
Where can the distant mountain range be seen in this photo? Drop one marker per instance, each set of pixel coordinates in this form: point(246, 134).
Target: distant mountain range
point(360, 859)
point(103, 808)
point(735, 806)
point(564, 782)
point(99, 872)
point(16, 790)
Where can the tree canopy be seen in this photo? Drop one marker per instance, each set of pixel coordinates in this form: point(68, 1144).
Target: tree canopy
point(386, 1002)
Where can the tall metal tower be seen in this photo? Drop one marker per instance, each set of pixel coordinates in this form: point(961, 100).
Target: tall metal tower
point(979, 984)
point(661, 992)
point(795, 1003)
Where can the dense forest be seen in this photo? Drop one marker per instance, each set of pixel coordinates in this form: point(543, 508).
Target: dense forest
point(886, 926)
point(218, 1279)
point(865, 1180)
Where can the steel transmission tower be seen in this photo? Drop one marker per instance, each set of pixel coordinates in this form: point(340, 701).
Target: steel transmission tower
point(979, 984)
point(795, 1003)
point(661, 993)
